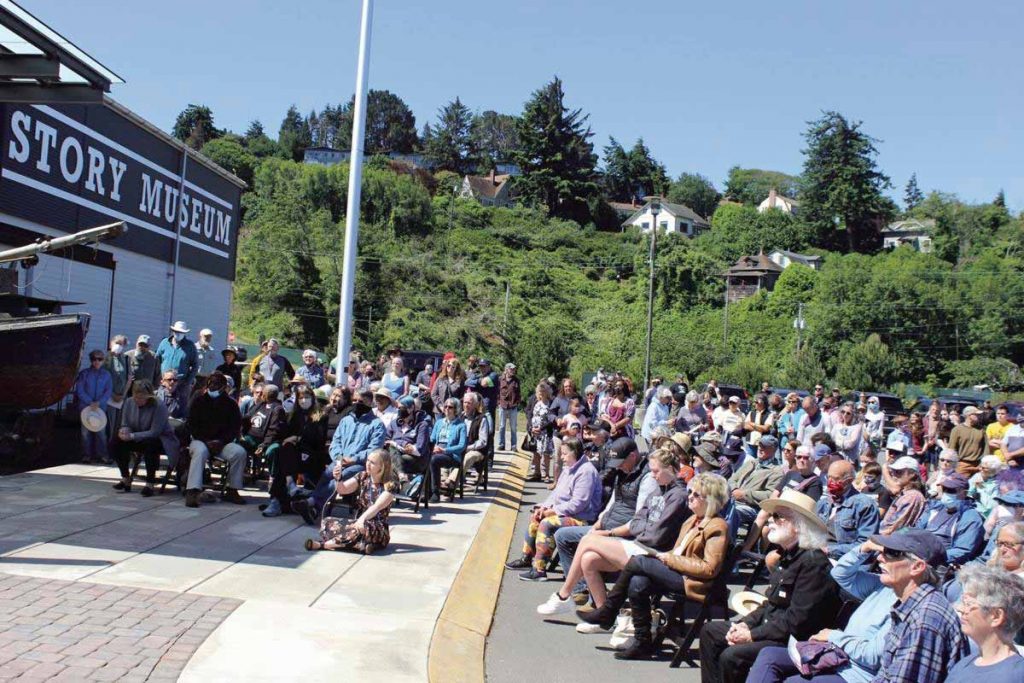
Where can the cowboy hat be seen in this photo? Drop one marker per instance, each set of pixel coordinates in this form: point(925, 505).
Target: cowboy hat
point(797, 502)
point(180, 326)
point(385, 393)
point(93, 419)
point(745, 602)
point(708, 454)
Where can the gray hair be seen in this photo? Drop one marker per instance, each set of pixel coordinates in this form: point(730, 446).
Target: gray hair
point(270, 392)
point(663, 392)
point(992, 462)
point(452, 403)
point(1015, 528)
point(472, 397)
point(996, 589)
point(809, 536)
point(950, 453)
point(590, 389)
point(692, 396)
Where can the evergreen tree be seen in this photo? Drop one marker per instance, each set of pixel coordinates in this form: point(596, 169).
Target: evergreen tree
point(257, 141)
point(495, 138)
point(912, 195)
point(1000, 199)
point(634, 174)
point(555, 154)
point(390, 124)
point(294, 136)
point(646, 172)
point(842, 186)
point(194, 126)
point(449, 144)
point(617, 182)
point(752, 185)
point(695, 191)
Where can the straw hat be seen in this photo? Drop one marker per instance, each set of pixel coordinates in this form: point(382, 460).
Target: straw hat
point(797, 502)
point(745, 602)
point(180, 326)
point(683, 441)
point(93, 419)
point(384, 392)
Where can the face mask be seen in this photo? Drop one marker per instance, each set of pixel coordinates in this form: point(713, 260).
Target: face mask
point(117, 348)
point(178, 336)
point(305, 403)
point(836, 489)
point(949, 500)
point(213, 393)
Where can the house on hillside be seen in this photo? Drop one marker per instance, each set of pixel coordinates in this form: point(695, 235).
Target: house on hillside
point(914, 232)
point(774, 200)
point(784, 258)
point(624, 209)
point(326, 156)
point(492, 190)
point(750, 275)
point(676, 218)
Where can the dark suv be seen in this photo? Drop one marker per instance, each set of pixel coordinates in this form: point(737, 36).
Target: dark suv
point(725, 391)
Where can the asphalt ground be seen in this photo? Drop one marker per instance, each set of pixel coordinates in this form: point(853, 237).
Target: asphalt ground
point(523, 645)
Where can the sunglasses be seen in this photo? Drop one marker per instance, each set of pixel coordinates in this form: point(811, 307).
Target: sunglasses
point(803, 457)
point(947, 460)
point(847, 412)
point(775, 518)
point(894, 555)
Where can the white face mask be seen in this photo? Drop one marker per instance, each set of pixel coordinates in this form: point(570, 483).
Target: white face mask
point(178, 336)
point(212, 393)
point(116, 348)
point(305, 403)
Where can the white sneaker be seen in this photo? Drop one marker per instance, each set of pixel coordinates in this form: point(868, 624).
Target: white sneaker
point(555, 605)
point(623, 644)
point(584, 627)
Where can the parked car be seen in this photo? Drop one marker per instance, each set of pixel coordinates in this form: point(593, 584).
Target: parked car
point(782, 391)
point(415, 361)
point(725, 391)
point(891, 404)
point(948, 402)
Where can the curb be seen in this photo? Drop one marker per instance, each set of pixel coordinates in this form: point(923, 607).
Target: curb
point(460, 635)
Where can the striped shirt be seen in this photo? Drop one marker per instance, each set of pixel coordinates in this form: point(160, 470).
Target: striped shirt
point(925, 640)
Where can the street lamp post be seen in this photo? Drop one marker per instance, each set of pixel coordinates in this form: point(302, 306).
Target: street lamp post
point(655, 210)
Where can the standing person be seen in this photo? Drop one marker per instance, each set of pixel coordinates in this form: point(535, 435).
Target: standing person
point(874, 423)
point(1013, 448)
point(229, 368)
point(996, 431)
point(310, 370)
point(206, 355)
point(486, 386)
point(759, 421)
point(423, 378)
point(847, 433)
point(177, 352)
point(275, 368)
point(450, 384)
point(692, 418)
point(541, 428)
point(813, 422)
point(509, 398)
point(396, 379)
point(789, 422)
point(656, 414)
point(968, 440)
point(254, 364)
point(142, 363)
point(651, 390)
point(93, 389)
point(117, 365)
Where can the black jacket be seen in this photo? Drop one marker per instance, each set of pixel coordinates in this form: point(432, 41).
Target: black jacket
point(311, 435)
point(802, 599)
point(214, 419)
point(268, 424)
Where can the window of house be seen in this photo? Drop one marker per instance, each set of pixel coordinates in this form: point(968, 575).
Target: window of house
point(645, 225)
point(663, 225)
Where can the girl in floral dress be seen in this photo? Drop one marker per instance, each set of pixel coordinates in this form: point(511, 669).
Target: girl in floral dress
point(541, 424)
point(374, 491)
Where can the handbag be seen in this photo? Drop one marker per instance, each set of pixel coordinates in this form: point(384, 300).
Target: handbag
point(812, 657)
point(529, 444)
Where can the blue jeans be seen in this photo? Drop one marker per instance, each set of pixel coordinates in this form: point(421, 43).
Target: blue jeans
point(567, 539)
point(437, 461)
point(510, 415)
point(774, 665)
point(94, 444)
point(746, 514)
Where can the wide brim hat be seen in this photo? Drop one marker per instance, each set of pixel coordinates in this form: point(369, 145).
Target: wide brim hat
point(683, 441)
point(384, 392)
point(799, 503)
point(745, 602)
point(93, 419)
point(229, 349)
point(180, 326)
point(708, 454)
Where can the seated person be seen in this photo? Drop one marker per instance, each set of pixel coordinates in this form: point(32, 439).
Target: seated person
point(302, 452)
point(903, 479)
point(478, 435)
point(384, 406)
point(358, 433)
point(756, 478)
point(409, 435)
point(850, 517)
point(801, 478)
point(655, 525)
point(166, 394)
point(991, 614)
point(339, 404)
point(802, 597)
point(954, 521)
point(310, 370)
point(575, 501)
point(215, 423)
point(231, 369)
point(689, 567)
point(144, 429)
point(1009, 555)
point(249, 403)
point(265, 428)
point(1009, 509)
point(449, 439)
point(375, 492)
point(948, 460)
point(984, 485)
point(869, 482)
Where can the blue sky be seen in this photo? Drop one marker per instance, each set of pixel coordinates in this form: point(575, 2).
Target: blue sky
point(707, 86)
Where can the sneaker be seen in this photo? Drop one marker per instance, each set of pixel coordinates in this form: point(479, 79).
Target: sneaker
point(533, 575)
point(192, 498)
point(231, 496)
point(306, 509)
point(519, 563)
point(623, 643)
point(586, 629)
point(273, 508)
point(555, 605)
point(147, 491)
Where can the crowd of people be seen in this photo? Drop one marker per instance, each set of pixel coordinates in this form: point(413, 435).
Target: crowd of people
point(892, 546)
point(382, 433)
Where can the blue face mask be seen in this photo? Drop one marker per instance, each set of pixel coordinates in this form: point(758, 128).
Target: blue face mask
point(949, 500)
point(212, 394)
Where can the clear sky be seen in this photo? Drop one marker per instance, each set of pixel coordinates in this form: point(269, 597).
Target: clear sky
point(707, 85)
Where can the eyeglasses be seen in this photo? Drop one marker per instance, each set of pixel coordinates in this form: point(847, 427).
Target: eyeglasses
point(965, 607)
point(776, 518)
point(170, 380)
point(692, 493)
point(894, 555)
point(803, 457)
point(1009, 544)
point(847, 412)
point(792, 400)
point(947, 460)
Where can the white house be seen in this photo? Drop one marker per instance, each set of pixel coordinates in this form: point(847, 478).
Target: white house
point(492, 190)
point(914, 232)
point(671, 218)
point(326, 156)
point(784, 258)
point(774, 200)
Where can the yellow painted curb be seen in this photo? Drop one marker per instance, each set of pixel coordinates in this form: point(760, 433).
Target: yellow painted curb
point(460, 635)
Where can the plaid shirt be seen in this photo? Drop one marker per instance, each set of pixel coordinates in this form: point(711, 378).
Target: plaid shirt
point(924, 642)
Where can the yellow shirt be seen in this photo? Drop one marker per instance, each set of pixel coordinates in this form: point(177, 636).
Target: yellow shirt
point(997, 431)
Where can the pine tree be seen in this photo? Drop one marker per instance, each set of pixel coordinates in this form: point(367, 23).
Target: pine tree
point(449, 144)
point(555, 155)
point(194, 126)
point(294, 136)
point(912, 195)
point(495, 138)
point(1000, 199)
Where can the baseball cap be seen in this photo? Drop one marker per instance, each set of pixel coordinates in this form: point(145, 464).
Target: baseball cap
point(483, 361)
point(955, 482)
point(1013, 498)
point(510, 366)
point(821, 451)
point(620, 450)
point(970, 410)
point(920, 542)
point(904, 463)
point(897, 446)
point(769, 441)
point(734, 399)
point(143, 339)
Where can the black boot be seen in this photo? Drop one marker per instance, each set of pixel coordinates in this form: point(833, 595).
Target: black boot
point(643, 640)
point(604, 616)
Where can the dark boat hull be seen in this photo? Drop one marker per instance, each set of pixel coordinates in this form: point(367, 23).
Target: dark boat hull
point(39, 358)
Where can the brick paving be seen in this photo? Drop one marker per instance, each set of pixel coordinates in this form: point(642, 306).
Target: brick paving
point(77, 631)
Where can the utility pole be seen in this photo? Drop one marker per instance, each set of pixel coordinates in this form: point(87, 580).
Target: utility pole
point(508, 293)
point(725, 317)
point(348, 274)
point(655, 210)
point(799, 324)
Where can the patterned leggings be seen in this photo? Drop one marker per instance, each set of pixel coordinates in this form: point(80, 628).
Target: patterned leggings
point(540, 539)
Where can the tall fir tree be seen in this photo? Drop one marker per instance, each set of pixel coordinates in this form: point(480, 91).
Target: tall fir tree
point(294, 135)
point(1000, 199)
point(449, 144)
point(555, 155)
point(495, 138)
point(194, 126)
point(912, 195)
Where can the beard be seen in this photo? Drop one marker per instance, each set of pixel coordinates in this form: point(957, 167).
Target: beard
point(779, 537)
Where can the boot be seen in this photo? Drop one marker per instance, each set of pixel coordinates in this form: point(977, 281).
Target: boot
point(643, 640)
point(604, 616)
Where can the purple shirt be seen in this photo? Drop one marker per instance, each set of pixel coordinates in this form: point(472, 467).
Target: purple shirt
point(577, 493)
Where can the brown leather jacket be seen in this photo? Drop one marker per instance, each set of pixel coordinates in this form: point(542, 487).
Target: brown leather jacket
point(702, 556)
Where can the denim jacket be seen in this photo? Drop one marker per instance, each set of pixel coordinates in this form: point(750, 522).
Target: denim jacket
point(964, 529)
point(855, 520)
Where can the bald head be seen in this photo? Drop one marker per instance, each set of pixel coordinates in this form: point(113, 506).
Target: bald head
point(841, 470)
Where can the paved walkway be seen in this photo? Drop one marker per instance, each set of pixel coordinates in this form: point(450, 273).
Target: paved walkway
point(216, 593)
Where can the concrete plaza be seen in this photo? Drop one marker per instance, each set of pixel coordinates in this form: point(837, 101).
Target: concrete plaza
point(97, 585)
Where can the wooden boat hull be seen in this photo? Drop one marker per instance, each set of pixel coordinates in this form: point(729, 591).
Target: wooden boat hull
point(39, 358)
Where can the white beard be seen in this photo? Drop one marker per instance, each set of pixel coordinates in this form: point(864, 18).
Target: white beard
point(778, 537)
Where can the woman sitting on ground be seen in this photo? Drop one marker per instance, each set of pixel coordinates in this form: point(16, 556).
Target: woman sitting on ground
point(655, 525)
point(374, 491)
point(144, 430)
point(690, 567)
point(991, 612)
